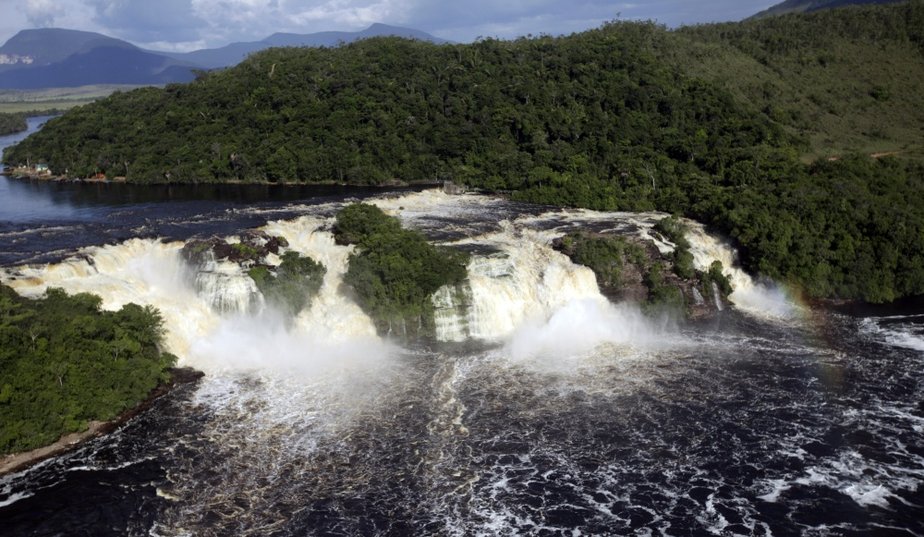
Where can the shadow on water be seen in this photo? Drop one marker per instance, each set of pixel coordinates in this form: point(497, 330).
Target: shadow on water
point(45, 221)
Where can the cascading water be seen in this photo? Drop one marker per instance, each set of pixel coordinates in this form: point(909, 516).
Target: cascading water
point(226, 288)
point(758, 298)
point(207, 307)
point(572, 415)
point(524, 280)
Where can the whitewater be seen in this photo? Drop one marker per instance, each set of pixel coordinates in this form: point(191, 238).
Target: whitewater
point(541, 408)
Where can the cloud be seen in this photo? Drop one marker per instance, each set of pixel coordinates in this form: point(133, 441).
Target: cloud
point(146, 21)
point(187, 24)
point(42, 13)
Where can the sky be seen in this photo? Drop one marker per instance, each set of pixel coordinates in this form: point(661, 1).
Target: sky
point(183, 25)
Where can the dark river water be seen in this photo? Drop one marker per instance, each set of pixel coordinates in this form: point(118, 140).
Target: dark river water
point(737, 424)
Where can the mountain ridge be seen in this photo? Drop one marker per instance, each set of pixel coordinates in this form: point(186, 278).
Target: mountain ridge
point(59, 57)
point(808, 6)
point(63, 58)
point(233, 53)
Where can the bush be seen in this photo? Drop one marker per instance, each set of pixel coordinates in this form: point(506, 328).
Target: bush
point(292, 285)
point(394, 271)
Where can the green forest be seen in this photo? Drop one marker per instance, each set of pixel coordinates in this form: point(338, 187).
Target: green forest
point(393, 271)
point(65, 362)
point(12, 123)
point(799, 137)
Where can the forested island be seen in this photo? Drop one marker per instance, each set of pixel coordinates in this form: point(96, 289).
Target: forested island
point(12, 123)
point(66, 363)
point(796, 136)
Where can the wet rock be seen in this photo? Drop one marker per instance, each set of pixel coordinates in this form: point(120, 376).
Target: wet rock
point(452, 188)
point(632, 269)
point(253, 247)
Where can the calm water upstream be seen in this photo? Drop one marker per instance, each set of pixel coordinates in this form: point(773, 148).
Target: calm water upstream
point(542, 410)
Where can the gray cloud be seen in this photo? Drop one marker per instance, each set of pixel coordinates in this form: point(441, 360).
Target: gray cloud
point(42, 13)
point(185, 24)
point(145, 21)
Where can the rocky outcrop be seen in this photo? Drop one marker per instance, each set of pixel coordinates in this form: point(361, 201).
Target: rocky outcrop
point(264, 274)
point(633, 269)
point(252, 249)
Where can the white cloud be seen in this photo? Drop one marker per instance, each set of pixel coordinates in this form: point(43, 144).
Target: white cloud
point(42, 13)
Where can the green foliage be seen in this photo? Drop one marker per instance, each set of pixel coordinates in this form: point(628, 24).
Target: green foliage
point(675, 231)
point(717, 122)
point(65, 362)
point(12, 123)
point(292, 285)
point(848, 228)
point(606, 255)
point(543, 112)
point(716, 275)
point(395, 271)
point(846, 80)
point(360, 220)
point(245, 251)
point(661, 294)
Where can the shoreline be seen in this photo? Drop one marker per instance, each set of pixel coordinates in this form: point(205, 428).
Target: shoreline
point(20, 174)
point(20, 461)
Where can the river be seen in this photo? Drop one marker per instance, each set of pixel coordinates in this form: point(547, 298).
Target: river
point(543, 410)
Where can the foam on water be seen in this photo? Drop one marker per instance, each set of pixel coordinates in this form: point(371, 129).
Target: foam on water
point(581, 417)
point(579, 327)
point(900, 331)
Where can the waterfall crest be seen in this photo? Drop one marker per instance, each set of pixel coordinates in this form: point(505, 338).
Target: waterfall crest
point(214, 316)
point(519, 290)
point(523, 279)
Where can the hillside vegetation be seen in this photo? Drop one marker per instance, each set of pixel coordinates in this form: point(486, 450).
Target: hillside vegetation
point(847, 80)
point(12, 123)
point(65, 363)
point(801, 6)
point(731, 124)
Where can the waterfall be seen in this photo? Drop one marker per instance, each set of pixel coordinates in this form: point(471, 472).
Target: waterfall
point(717, 296)
point(143, 271)
point(758, 298)
point(524, 279)
point(331, 314)
point(698, 297)
point(518, 290)
point(210, 318)
point(451, 305)
point(225, 286)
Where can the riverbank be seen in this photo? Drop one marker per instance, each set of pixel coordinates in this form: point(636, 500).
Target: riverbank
point(31, 173)
point(20, 461)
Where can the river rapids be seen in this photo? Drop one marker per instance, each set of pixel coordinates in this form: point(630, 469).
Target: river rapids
point(541, 409)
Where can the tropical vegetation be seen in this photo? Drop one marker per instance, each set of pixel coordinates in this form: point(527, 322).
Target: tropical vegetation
point(292, 285)
point(64, 362)
point(393, 271)
point(797, 136)
point(12, 123)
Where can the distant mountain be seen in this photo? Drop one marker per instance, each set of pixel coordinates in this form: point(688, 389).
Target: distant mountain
point(802, 6)
point(34, 48)
point(233, 53)
point(57, 58)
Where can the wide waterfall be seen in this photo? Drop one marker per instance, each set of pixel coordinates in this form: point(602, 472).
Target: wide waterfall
point(516, 282)
point(539, 406)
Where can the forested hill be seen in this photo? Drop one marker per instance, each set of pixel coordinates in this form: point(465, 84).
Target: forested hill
point(801, 6)
point(718, 122)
